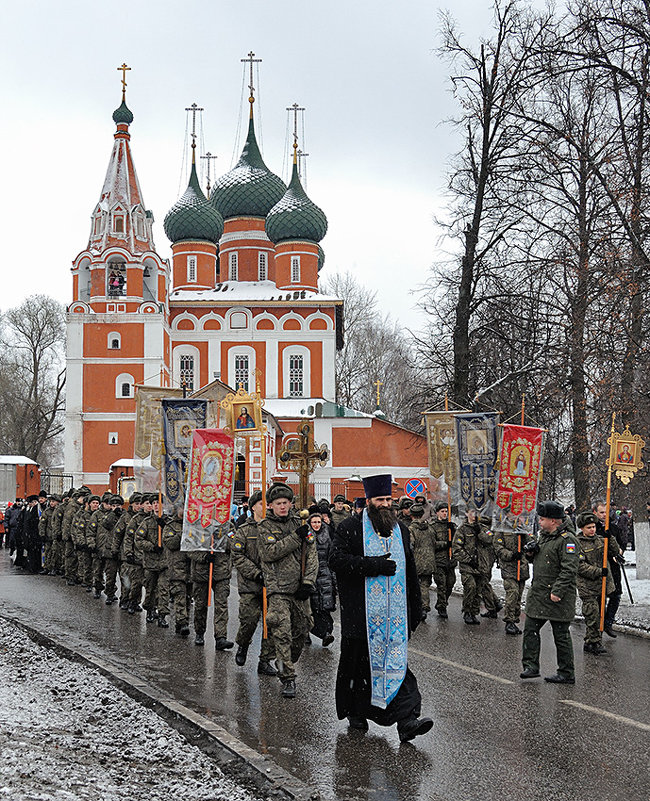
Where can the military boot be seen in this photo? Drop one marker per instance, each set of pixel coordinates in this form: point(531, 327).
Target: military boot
point(471, 620)
point(512, 628)
point(289, 688)
point(162, 621)
point(240, 656)
point(222, 644)
point(265, 668)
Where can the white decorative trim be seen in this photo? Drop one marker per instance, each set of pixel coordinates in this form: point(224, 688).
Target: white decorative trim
point(320, 316)
point(108, 417)
point(185, 316)
point(291, 316)
point(211, 316)
point(265, 316)
point(124, 378)
point(232, 237)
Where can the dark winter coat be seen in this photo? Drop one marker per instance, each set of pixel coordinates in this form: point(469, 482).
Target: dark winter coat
point(323, 599)
point(555, 570)
point(178, 561)
point(246, 559)
point(347, 560)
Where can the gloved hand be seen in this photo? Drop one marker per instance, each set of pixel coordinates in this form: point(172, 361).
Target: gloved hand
point(381, 565)
point(518, 556)
point(302, 531)
point(303, 592)
point(211, 556)
point(531, 549)
point(604, 571)
point(260, 577)
point(620, 559)
point(474, 560)
point(158, 548)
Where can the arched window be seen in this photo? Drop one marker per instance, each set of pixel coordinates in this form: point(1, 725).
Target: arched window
point(262, 267)
point(233, 267)
point(296, 376)
point(114, 341)
point(118, 224)
point(187, 372)
point(241, 367)
point(115, 279)
point(124, 386)
point(241, 371)
point(296, 371)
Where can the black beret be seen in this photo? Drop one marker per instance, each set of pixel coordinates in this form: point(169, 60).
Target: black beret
point(551, 509)
point(586, 519)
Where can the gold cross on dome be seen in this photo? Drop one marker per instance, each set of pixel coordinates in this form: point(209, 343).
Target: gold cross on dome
point(378, 384)
point(123, 69)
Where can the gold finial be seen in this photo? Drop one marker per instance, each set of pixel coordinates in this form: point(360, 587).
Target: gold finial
point(251, 85)
point(378, 384)
point(123, 69)
point(295, 108)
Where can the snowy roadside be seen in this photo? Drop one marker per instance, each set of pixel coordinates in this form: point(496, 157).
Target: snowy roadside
point(67, 734)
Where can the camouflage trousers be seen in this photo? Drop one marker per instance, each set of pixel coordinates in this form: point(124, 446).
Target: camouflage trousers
point(424, 580)
point(220, 593)
point(445, 578)
point(591, 613)
point(156, 590)
point(52, 555)
point(288, 621)
point(180, 593)
point(250, 611)
point(473, 591)
point(488, 596)
point(514, 590)
point(71, 561)
point(111, 566)
point(98, 571)
point(85, 567)
point(131, 577)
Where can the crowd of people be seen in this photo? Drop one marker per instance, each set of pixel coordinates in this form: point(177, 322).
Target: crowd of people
point(292, 566)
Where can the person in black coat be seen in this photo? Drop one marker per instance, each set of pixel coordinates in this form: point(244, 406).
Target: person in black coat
point(323, 599)
point(31, 534)
point(353, 568)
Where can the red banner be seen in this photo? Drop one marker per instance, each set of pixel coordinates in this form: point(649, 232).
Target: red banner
point(210, 477)
point(519, 466)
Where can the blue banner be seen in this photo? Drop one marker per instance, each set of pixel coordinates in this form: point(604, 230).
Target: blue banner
point(180, 418)
point(476, 435)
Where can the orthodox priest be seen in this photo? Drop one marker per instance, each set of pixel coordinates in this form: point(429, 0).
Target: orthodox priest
point(380, 607)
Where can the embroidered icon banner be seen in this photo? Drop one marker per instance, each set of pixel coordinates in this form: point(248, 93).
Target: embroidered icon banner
point(476, 435)
point(180, 418)
point(149, 447)
point(520, 461)
point(443, 451)
point(209, 491)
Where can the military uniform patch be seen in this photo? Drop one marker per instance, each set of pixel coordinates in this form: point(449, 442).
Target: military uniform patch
point(309, 537)
point(270, 538)
point(239, 545)
point(570, 547)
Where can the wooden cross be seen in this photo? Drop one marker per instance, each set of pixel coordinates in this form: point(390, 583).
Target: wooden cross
point(378, 384)
point(123, 69)
point(252, 61)
point(208, 156)
point(302, 455)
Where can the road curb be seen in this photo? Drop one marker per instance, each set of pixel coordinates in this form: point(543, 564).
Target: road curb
point(237, 760)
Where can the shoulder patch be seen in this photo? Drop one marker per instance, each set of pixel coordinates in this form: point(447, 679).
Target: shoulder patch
point(270, 538)
point(570, 547)
point(239, 545)
point(309, 537)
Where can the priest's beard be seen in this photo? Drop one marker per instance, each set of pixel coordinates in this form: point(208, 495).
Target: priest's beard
point(382, 518)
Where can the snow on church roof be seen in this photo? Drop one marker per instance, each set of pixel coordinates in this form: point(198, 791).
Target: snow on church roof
point(228, 291)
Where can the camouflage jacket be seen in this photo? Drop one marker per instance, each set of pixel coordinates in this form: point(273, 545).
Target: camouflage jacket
point(506, 546)
point(246, 559)
point(423, 544)
point(590, 565)
point(178, 561)
point(282, 554)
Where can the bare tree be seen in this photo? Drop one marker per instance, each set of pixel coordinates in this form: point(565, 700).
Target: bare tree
point(32, 391)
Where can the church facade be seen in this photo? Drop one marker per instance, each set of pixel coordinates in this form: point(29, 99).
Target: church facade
point(238, 302)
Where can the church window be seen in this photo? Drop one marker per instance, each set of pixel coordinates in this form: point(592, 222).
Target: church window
point(114, 341)
point(239, 320)
point(139, 227)
point(187, 372)
point(118, 224)
point(295, 269)
point(126, 390)
point(296, 376)
point(98, 225)
point(113, 437)
point(116, 279)
point(191, 268)
point(233, 267)
point(124, 386)
point(262, 267)
point(241, 371)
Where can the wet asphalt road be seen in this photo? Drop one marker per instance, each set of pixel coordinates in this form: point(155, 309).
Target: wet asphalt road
point(494, 735)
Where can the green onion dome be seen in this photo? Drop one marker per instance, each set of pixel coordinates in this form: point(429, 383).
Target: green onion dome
point(295, 216)
point(123, 114)
point(250, 189)
point(193, 216)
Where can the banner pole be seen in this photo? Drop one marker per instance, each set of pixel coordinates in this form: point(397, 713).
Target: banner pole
point(448, 495)
point(265, 633)
point(603, 588)
point(210, 571)
point(523, 406)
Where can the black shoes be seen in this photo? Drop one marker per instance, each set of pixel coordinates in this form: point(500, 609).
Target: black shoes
point(265, 668)
point(97, 594)
point(222, 644)
point(199, 640)
point(151, 615)
point(512, 628)
point(609, 631)
point(358, 723)
point(443, 614)
point(490, 613)
point(529, 673)
point(162, 621)
point(594, 648)
point(557, 678)
point(471, 620)
point(289, 688)
point(183, 629)
point(328, 639)
point(110, 601)
point(240, 656)
point(415, 728)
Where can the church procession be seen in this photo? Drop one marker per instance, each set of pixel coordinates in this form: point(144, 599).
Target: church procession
point(220, 496)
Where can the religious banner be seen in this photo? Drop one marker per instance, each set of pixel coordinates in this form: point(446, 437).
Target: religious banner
point(181, 416)
point(520, 463)
point(209, 490)
point(148, 449)
point(476, 435)
point(441, 441)
point(625, 454)
point(244, 411)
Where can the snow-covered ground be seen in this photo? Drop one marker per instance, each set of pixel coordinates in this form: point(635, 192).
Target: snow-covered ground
point(67, 734)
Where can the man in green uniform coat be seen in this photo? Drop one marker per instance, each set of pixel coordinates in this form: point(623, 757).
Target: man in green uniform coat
point(552, 595)
point(590, 578)
point(445, 573)
point(338, 512)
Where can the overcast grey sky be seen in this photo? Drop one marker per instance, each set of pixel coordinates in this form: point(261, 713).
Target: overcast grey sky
point(374, 90)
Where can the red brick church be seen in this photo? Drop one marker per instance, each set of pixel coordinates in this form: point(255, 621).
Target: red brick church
point(238, 302)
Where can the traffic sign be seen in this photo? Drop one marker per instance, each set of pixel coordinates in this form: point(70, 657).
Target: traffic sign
point(414, 486)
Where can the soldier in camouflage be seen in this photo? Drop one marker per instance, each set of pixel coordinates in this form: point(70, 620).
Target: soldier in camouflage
point(75, 503)
point(134, 572)
point(445, 573)
point(148, 541)
point(97, 535)
point(424, 553)
point(221, 573)
point(178, 565)
point(246, 560)
point(289, 567)
point(118, 546)
point(84, 543)
point(47, 535)
point(338, 512)
point(58, 563)
point(508, 546)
